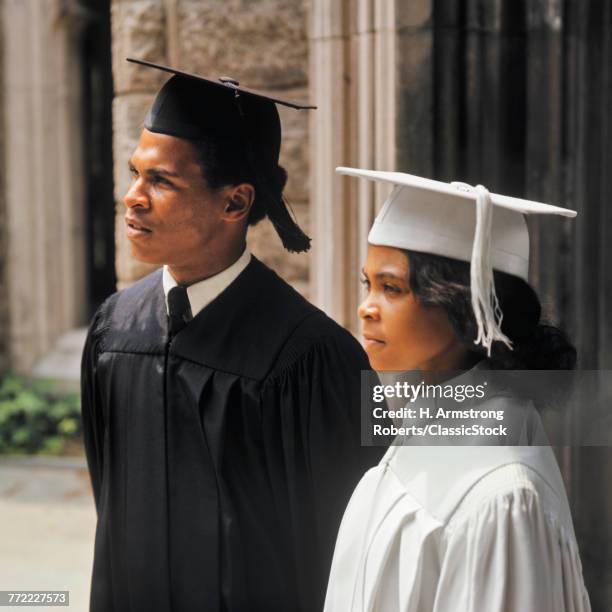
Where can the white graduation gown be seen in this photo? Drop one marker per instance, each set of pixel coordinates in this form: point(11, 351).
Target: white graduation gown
point(469, 529)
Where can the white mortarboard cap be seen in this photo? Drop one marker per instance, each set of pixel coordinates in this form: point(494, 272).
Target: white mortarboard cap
point(461, 222)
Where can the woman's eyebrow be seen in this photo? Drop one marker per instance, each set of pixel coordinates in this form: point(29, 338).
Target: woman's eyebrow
point(383, 275)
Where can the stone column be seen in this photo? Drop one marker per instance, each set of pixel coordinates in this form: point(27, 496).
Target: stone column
point(371, 74)
point(43, 175)
point(331, 224)
point(263, 44)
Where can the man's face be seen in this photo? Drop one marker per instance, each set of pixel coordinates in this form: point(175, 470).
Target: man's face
point(172, 215)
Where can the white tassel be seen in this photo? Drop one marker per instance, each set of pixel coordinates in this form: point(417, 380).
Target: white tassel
point(484, 299)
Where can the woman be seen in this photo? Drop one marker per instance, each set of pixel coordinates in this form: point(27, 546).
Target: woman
point(481, 528)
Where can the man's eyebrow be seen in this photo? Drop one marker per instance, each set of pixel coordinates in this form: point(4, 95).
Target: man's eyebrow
point(161, 171)
point(155, 171)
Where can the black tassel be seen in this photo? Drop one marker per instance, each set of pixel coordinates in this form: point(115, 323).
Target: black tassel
point(290, 233)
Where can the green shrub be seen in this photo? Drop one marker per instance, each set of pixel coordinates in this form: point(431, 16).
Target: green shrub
point(36, 419)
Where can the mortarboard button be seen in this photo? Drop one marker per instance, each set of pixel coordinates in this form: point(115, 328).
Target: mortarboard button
point(229, 81)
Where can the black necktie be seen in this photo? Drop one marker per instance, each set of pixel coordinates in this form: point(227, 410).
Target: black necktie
point(179, 310)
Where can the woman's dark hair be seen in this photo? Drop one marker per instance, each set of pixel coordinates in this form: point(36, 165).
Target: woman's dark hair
point(444, 282)
point(224, 162)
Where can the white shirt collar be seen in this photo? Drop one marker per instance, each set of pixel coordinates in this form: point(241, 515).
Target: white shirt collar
point(202, 293)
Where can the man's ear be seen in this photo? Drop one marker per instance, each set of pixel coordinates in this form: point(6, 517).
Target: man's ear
point(238, 202)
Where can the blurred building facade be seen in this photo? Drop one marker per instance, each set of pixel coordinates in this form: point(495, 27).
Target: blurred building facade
point(514, 94)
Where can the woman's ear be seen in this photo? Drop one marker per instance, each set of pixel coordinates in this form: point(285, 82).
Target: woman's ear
point(239, 199)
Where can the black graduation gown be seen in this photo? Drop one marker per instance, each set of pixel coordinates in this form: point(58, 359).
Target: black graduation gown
point(221, 460)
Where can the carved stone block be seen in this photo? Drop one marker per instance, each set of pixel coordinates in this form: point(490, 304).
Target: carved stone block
point(263, 43)
point(138, 30)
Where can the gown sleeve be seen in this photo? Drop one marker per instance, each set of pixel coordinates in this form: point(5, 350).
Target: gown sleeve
point(512, 555)
point(91, 410)
point(312, 406)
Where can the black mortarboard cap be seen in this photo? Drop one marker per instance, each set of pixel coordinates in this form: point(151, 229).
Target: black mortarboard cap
point(195, 107)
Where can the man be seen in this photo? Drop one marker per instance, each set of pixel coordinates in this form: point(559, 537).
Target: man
point(220, 408)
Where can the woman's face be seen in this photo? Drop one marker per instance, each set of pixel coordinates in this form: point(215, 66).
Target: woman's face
point(399, 333)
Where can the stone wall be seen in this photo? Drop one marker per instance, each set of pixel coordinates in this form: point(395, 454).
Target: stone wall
point(261, 43)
